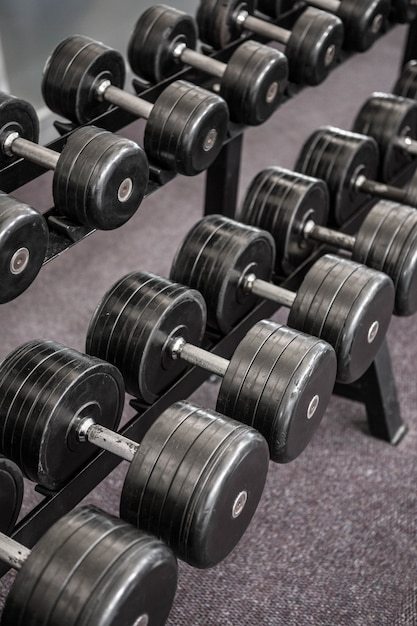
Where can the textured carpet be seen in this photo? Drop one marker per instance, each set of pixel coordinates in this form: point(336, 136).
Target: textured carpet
point(334, 539)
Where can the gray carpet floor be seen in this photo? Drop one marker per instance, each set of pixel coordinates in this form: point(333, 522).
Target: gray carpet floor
point(334, 540)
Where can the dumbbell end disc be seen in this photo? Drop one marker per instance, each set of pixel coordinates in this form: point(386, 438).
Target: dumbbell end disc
point(281, 202)
point(186, 128)
point(230, 495)
point(196, 481)
point(254, 81)
point(279, 381)
point(387, 241)
point(23, 242)
point(349, 306)
point(364, 22)
point(305, 403)
point(17, 116)
point(314, 46)
point(368, 327)
point(100, 178)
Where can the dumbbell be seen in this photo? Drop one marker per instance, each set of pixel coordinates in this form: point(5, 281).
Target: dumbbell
point(339, 301)
point(195, 479)
point(363, 20)
point(312, 46)
point(392, 122)
point(185, 127)
point(278, 380)
point(252, 82)
point(99, 178)
point(90, 569)
point(404, 11)
point(348, 162)
point(294, 209)
point(24, 239)
point(406, 85)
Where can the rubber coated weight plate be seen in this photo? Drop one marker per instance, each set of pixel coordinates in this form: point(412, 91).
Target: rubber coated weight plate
point(166, 309)
point(387, 242)
point(188, 474)
point(411, 189)
point(46, 392)
point(158, 30)
point(153, 469)
point(321, 297)
point(386, 117)
point(275, 378)
point(182, 464)
point(16, 116)
point(254, 81)
point(16, 401)
point(23, 242)
point(404, 11)
point(72, 74)
point(190, 267)
point(267, 379)
point(364, 22)
point(100, 178)
point(405, 270)
point(11, 494)
point(406, 85)
point(133, 336)
point(314, 46)
point(234, 477)
point(377, 234)
point(216, 20)
point(92, 569)
point(281, 202)
point(186, 128)
point(214, 256)
point(348, 305)
point(338, 157)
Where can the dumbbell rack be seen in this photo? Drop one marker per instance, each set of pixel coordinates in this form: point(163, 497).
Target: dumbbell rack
point(376, 389)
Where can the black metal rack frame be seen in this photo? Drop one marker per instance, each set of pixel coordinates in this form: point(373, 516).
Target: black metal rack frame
point(376, 389)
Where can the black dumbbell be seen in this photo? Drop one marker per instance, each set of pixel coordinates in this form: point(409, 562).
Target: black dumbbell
point(294, 209)
point(252, 82)
point(55, 401)
point(90, 569)
point(363, 20)
point(99, 178)
point(278, 380)
point(11, 494)
point(348, 162)
point(24, 239)
point(340, 301)
point(185, 128)
point(406, 85)
point(392, 122)
point(312, 46)
point(404, 11)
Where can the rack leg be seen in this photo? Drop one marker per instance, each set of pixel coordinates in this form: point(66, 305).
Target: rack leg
point(410, 49)
point(222, 180)
point(377, 390)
